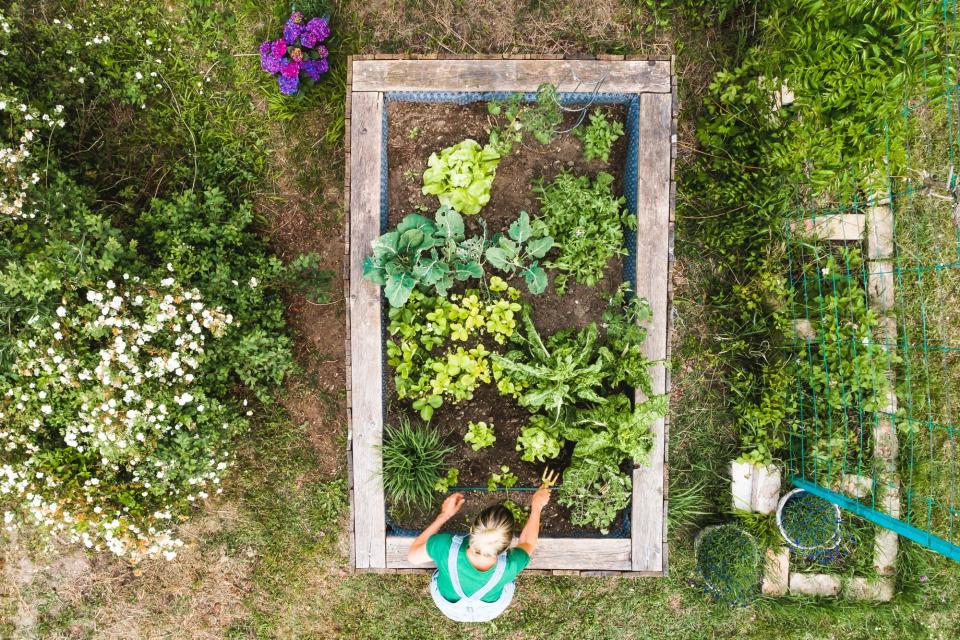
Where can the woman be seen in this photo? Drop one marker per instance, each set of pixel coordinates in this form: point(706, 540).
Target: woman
point(474, 580)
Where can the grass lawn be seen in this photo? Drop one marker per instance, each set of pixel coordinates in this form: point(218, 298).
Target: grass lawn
point(268, 558)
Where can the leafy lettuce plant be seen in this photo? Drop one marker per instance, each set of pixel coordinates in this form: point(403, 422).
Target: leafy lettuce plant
point(520, 251)
point(504, 479)
point(598, 137)
point(423, 252)
point(587, 221)
point(461, 175)
point(436, 344)
point(479, 435)
point(540, 440)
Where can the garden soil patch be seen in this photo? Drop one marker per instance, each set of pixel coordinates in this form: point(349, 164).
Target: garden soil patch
point(415, 130)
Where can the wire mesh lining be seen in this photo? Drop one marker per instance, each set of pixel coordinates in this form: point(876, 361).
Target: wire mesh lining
point(728, 561)
point(622, 531)
point(839, 447)
point(808, 523)
point(632, 131)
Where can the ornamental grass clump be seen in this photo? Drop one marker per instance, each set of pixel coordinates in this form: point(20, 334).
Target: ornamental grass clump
point(298, 54)
point(412, 459)
point(809, 521)
point(106, 432)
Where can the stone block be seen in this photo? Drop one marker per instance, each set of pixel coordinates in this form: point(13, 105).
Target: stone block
point(814, 584)
point(776, 572)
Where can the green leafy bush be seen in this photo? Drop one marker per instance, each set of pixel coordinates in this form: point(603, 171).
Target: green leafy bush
point(412, 458)
point(586, 221)
point(461, 175)
point(479, 435)
point(520, 251)
point(421, 252)
point(595, 491)
point(112, 425)
point(142, 190)
point(598, 136)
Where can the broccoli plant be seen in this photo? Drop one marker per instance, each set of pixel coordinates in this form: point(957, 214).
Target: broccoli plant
point(425, 253)
point(520, 251)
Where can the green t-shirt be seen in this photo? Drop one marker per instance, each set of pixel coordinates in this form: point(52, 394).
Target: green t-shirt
point(471, 580)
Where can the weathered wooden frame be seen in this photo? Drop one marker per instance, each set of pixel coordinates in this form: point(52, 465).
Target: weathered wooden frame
point(645, 553)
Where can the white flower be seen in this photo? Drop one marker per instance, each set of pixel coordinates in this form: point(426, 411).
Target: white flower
point(825, 271)
point(166, 282)
point(61, 311)
point(138, 75)
point(253, 283)
point(46, 409)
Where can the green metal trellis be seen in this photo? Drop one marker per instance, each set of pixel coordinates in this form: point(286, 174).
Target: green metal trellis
point(876, 294)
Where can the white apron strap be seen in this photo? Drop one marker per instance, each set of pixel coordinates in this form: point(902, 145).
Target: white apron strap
point(455, 575)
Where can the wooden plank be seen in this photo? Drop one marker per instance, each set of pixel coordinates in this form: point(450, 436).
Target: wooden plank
point(653, 214)
point(639, 76)
point(842, 227)
point(366, 354)
point(879, 232)
point(880, 286)
point(583, 554)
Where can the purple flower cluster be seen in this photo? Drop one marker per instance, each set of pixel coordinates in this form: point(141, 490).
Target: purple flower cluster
point(299, 51)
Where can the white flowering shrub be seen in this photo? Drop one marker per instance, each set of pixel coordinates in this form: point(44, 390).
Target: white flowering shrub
point(106, 432)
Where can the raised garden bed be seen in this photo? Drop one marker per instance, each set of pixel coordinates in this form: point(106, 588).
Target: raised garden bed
point(401, 111)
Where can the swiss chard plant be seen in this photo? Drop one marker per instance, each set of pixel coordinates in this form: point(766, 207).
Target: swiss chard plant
point(431, 254)
point(586, 221)
point(598, 137)
point(461, 175)
point(520, 251)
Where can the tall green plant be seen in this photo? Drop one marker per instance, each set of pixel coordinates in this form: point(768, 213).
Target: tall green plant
point(412, 459)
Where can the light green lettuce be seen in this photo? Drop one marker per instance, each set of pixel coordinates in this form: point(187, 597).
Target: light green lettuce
point(461, 175)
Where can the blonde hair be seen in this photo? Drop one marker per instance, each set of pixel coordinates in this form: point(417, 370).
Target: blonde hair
point(492, 531)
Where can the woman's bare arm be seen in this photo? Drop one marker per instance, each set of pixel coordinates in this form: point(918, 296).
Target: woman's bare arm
point(531, 531)
point(418, 550)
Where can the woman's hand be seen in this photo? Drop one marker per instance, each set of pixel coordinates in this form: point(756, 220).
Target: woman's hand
point(452, 505)
point(540, 498)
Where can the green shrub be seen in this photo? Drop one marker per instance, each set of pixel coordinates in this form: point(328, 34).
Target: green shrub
point(729, 562)
point(587, 222)
point(412, 459)
point(111, 428)
point(598, 136)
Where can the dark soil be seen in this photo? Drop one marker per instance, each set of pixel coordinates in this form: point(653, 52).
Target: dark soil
point(415, 130)
point(554, 522)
